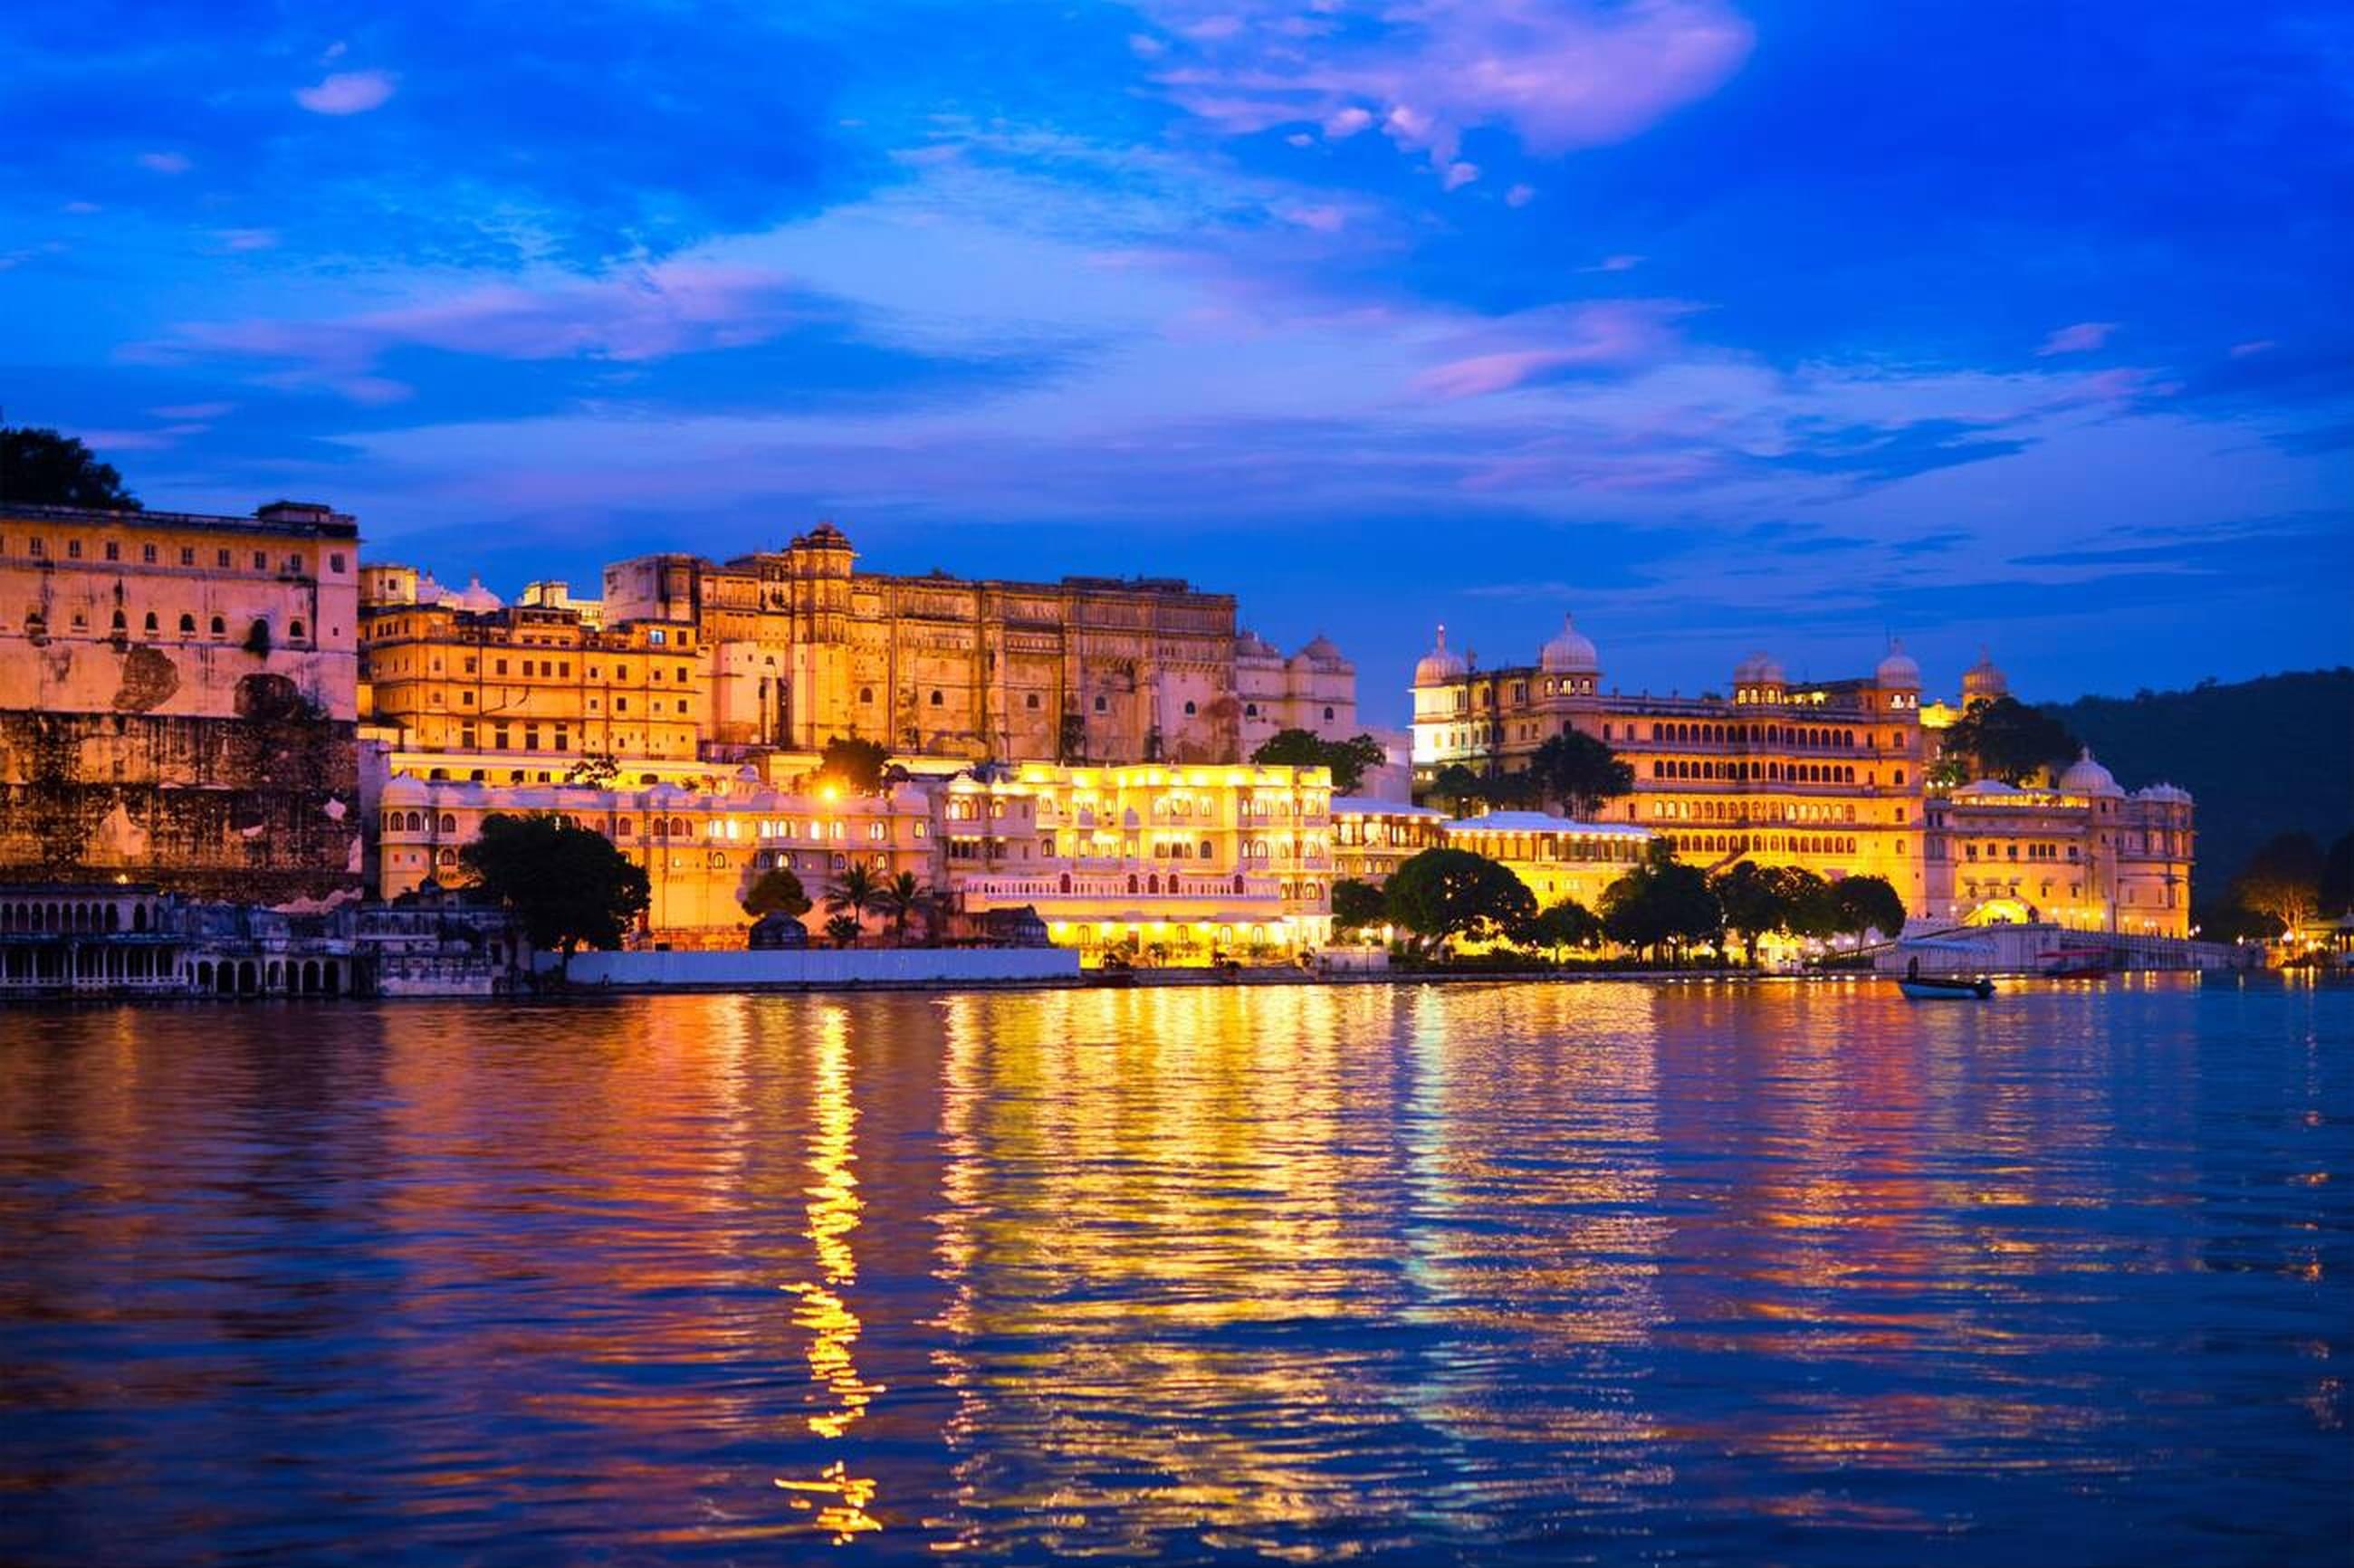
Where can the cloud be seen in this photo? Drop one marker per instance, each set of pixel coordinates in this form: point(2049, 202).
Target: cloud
point(1561, 76)
point(1540, 344)
point(167, 163)
point(1615, 264)
point(347, 93)
point(1460, 175)
point(2082, 338)
point(1324, 218)
point(1519, 196)
point(248, 238)
point(2256, 345)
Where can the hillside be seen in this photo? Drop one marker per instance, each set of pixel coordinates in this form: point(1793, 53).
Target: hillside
point(2261, 757)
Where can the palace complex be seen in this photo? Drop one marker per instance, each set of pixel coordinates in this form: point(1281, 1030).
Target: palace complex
point(237, 708)
point(178, 698)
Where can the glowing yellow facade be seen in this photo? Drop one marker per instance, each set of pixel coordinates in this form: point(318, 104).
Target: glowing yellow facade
point(1823, 775)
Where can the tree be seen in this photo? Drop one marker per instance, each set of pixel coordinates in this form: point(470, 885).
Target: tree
point(1349, 759)
point(777, 892)
point(1579, 771)
point(2004, 739)
point(1867, 904)
point(856, 892)
point(597, 770)
point(1567, 924)
point(900, 897)
point(42, 468)
point(853, 765)
point(1459, 786)
point(843, 928)
point(1356, 904)
point(1751, 896)
point(2336, 887)
point(2282, 881)
point(568, 886)
point(1661, 902)
point(1447, 893)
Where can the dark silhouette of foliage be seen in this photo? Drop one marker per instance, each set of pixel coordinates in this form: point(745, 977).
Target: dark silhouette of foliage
point(1443, 893)
point(1349, 759)
point(568, 886)
point(1357, 904)
point(852, 765)
point(42, 468)
point(1580, 773)
point(777, 892)
point(2004, 739)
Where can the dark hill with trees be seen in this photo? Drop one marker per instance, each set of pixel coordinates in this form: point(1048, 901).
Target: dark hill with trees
point(2265, 756)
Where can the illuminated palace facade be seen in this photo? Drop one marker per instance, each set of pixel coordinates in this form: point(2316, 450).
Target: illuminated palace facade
point(1823, 775)
point(1828, 776)
point(804, 647)
point(178, 701)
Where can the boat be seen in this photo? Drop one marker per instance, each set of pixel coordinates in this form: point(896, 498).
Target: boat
point(2076, 963)
point(1939, 987)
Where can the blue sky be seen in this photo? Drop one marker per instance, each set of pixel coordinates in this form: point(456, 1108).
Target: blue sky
point(1722, 326)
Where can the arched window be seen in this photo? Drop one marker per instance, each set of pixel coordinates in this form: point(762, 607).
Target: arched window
point(865, 693)
point(1066, 882)
point(295, 629)
point(1031, 701)
point(1131, 881)
point(1205, 849)
point(220, 627)
point(1189, 710)
point(151, 623)
point(448, 822)
point(188, 626)
point(1327, 713)
point(449, 856)
point(1100, 704)
point(120, 625)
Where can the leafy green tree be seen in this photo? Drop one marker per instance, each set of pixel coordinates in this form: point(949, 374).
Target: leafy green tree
point(1356, 904)
point(2281, 880)
point(1662, 902)
point(843, 930)
point(568, 886)
point(777, 892)
point(1867, 904)
point(2004, 739)
point(42, 468)
point(855, 893)
point(1580, 773)
point(853, 765)
point(900, 897)
point(1349, 759)
point(1442, 893)
point(1567, 924)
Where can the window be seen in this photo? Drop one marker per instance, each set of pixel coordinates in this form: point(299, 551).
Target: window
point(335, 561)
point(936, 699)
point(36, 547)
point(187, 555)
point(294, 628)
point(656, 638)
point(261, 560)
point(220, 627)
point(1250, 710)
point(1189, 710)
point(147, 554)
point(1327, 713)
point(1031, 701)
point(498, 666)
point(220, 559)
point(114, 550)
point(865, 693)
point(188, 626)
point(1100, 704)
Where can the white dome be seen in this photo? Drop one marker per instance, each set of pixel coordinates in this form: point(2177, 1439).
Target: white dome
point(1439, 666)
point(401, 790)
point(1251, 645)
point(1898, 669)
point(474, 597)
point(2169, 794)
point(1758, 670)
point(1571, 653)
point(1983, 678)
point(1322, 650)
point(2086, 777)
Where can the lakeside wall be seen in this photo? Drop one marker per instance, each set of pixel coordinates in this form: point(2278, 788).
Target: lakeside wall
point(748, 969)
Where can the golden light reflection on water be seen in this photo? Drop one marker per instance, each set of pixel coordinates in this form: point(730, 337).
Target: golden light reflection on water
point(1287, 1273)
point(821, 1309)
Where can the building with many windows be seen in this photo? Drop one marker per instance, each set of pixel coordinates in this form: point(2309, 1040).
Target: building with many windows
point(1826, 775)
point(2077, 852)
point(177, 700)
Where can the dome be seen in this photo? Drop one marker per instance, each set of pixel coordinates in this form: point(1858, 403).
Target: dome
point(1322, 648)
point(1251, 645)
point(1438, 665)
point(2165, 794)
point(1571, 653)
point(1983, 680)
point(1898, 669)
point(1758, 670)
point(402, 790)
point(2086, 777)
point(475, 597)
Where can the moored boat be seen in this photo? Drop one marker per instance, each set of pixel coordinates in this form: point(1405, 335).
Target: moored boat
point(1933, 988)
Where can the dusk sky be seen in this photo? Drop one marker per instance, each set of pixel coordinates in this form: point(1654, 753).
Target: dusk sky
point(1723, 327)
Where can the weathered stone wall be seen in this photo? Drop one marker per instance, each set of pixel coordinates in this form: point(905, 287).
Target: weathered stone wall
point(261, 807)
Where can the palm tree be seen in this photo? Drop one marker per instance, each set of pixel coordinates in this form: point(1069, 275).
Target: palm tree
point(900, 897)
point(855, 892)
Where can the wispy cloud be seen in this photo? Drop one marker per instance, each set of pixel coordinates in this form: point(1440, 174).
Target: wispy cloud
point(165, 163)
point(347, 93)
point(2081, 338)
point(1560, 76)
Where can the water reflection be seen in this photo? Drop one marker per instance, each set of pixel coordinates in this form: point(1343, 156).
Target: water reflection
point(1476, 1273)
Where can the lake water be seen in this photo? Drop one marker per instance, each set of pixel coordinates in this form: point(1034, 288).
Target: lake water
point(1485, 1273)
